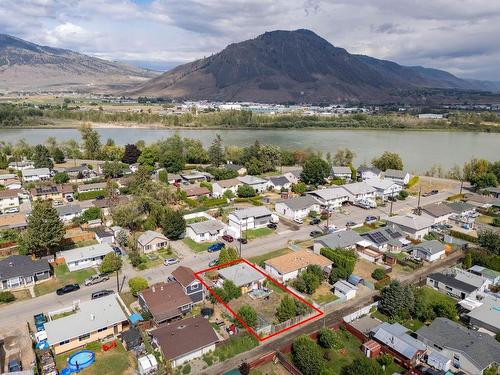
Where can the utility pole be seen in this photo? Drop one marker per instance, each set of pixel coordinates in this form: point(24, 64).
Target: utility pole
point(392, 202)
point(461, 186)
point(419, 211)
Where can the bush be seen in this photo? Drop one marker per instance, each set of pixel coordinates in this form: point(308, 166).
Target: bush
point(186, 369)
point(378, 273)
point(6, 297)
point(246, 191)
point(403, 194)
point(327, 339)
point(463, 236)
point(136, 284)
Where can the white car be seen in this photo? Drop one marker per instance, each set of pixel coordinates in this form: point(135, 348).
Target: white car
point(170, 261)
point(298, 221)
point(11, 210)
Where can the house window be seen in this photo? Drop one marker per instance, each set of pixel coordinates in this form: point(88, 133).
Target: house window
point(438, 347)
point(64, 342)
point(102, 329)
point(84, 337)
point(448, 288)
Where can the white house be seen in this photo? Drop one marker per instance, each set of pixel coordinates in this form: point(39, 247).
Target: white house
point(87, 188)
point(364, 173)
point(21, 165)
point(279, 182)
point(220, 187)
point(259, 184)
point(359, 191)
point(36, 174)
point(249, 218)
point(13, 184)
point(293, 176)
point(68, 212)
point(289, 266)
point(344, 289)
point(384, 188)
point(151, 241)
point(414, 225)
point(343, 173)
point(9, 199)
point(297, 207)
point(400, 177)
point(7, 177)
point(331, 197)
point(208, 230)
point(84, 257)
point(428, 250)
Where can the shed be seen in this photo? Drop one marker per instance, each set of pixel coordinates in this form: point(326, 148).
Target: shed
point(438, 361)
point(132, 338)
point(371, 348)
point(355, 280)
point(147, 364)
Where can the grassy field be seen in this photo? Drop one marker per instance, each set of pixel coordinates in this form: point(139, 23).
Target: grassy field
point(484, 219)
point(235, 345)
point(259, 259)
point(195, 246)
point(324, 295)
point(63, 277)
point(431, 296)
point(256, 233)
point(116, 361)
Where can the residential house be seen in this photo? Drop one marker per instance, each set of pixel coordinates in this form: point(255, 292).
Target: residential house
point(344, 289)
point(279, 182)
point(6, 177)
point(469, 350)
point(400, 177)
point(341, 173)
point(185, 340)
point(12, 184)
point(54, 192)
point(389, 238)
point(485, 316)
point(151, 241)
point(165, 301)
point(491, 275)
point(249, 218)
point(21, 165)
point(493, 191)
point(448, 284)
point(439, 212)
point(220, 187)
point(236, 167)
point(13, 221)
point(193, 287)
point(289, 266)
point(208, 230)
point(359, 191)
point(87, 188)
point(395, 337)
point(9, 199)
point(330, 197)
point(194, 176)
point(18, 271)
point(85, 257)
point(259, 184)
point(297, 208)
point(461, 208)
point(104, 235)
point(36, 174)
point(429, 251)
point(197, 192)
point(106, 204)
point(94, 320)
point(79, 171)
point(479, 282)
point(293, 176)
point(414, 225)
point(243, 276)
point(365, 173)
point(345, 239)
point(68, 212)
point(385, 188)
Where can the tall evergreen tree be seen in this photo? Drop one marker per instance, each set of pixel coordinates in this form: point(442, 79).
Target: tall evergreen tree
point(216, 151)
point(41, 157)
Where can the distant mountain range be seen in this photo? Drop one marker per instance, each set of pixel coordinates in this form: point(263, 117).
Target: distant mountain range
point(298, 66)
point(26, 66)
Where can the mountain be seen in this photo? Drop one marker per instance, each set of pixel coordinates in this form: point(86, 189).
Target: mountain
point(296, 66)
point(26, 66)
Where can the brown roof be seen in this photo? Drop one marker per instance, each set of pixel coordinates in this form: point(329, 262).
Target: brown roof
point(104, 203)
point(9, 193)
point(12, 221)
point(185, 336)
point(297, 260)
point(184, 275)
point(229, 183)
point(11, 181)
point(51, 189)
point(165, 299)
point(437, 209)
point(196, 191)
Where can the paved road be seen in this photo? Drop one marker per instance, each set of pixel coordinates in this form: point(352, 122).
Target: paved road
point(15, 315)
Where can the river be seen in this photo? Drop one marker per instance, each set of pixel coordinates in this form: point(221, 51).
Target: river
point(418, 149)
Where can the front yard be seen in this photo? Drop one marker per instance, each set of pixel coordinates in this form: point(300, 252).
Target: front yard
point(252, 234)
point(260, 259)
point(63, 277)
point(195, 246)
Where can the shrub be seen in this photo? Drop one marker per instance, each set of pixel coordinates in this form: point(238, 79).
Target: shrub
point(327, 338)
point(378, 273)
point(463, 236)
point(186, 369)
point(136, 284)
point(403, 194)
point(246, 191)
point(6, 297)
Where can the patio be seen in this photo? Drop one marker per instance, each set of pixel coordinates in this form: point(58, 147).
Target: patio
point(260, 293)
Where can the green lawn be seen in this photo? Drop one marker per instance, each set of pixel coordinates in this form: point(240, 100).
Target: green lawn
point(63, 277)
point(116, 361)
point(431, 296)
point(483, 219)
point(411, 324)
point(363, 229)
point(234, 346)
point(324, 295)
point(195, 246)
point(256, 233)
point(260, 259)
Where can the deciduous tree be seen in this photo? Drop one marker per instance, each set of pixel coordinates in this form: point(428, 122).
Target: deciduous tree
point(315, 171)
point(388, 160)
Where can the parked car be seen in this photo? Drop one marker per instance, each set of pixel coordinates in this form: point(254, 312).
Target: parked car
point(392, 199)
point(370, 219)
point(69, 199)
point(298, 221)
point(315, 221)
point(170, 261)
point(101, 293)
point(316, 233)
point(243, 240)
point(14, 365)
point(213, 263)
point(100, 197)
point(67, 289)
point(434, 192)
point(11, 210)
point(96, 279)
point(216, 247)
point(40, 320)
point(117, 250)
point(272, 225)
point(57, 203)
point(228, 238)
point(332, 228)
point(350, 224)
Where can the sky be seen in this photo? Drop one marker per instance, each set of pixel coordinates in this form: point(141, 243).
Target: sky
point(460, 36)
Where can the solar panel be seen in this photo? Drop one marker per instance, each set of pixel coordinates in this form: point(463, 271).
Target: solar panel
point(392, 233)
point(378, 237)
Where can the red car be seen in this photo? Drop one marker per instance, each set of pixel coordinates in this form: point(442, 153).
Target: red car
point(228, 238)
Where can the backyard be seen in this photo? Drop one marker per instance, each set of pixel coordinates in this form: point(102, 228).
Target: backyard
point(324, 294)
point(116, 361)
point(63, 277)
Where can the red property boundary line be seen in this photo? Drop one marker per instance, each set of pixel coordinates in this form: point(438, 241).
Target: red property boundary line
point(249, 329)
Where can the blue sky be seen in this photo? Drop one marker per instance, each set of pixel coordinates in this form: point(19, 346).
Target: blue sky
point(460, 36)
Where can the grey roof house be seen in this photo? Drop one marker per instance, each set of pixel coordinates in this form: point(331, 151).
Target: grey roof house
point(428, 250)
point(208, 230)
point(487, 315)
point(343, 173)
point(401, 177)
point(68, 212)
point(390, 238)
point(279, 182)
point(448, 284)
point(346, 239)
point(469, 350)
point(243, 276)
point(18, 271)
point(297, 207)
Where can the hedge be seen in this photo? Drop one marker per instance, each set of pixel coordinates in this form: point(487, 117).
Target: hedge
point(455, 197)
point(413, 181)
point(463, 236)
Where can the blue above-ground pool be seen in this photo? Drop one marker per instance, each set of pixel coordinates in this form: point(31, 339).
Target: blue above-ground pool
point(78, 361)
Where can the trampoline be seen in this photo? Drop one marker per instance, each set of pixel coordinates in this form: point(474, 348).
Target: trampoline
point(79, 361)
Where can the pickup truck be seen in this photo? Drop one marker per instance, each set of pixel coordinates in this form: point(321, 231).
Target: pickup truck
point(96, 279)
